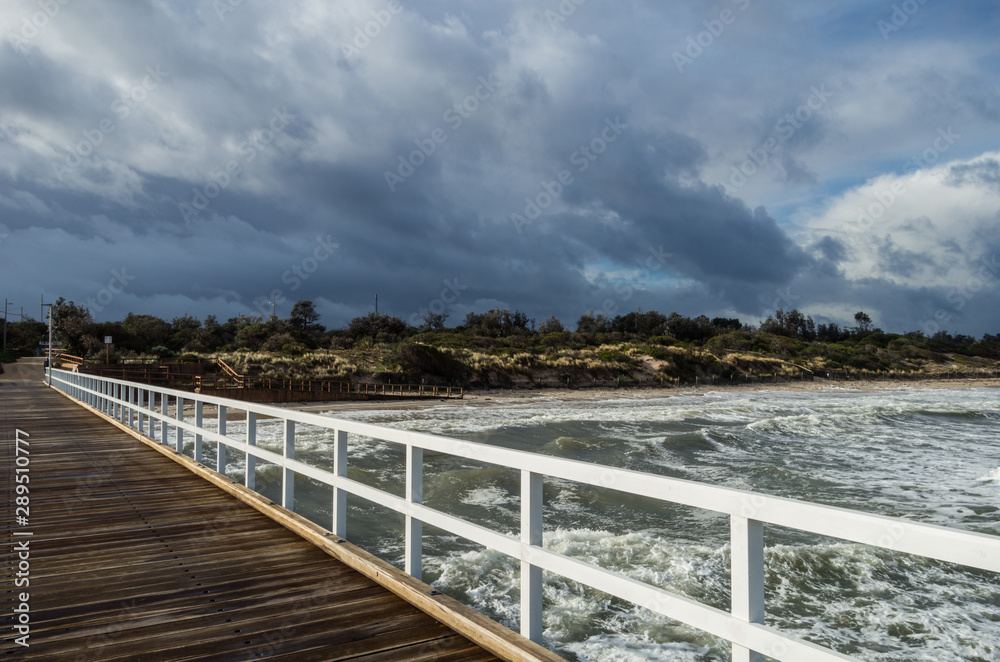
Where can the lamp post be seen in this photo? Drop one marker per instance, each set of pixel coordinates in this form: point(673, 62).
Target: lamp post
point(5, 302)
point(48, 372)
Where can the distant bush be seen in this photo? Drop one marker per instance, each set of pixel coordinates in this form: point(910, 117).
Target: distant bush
point(557, 339)
point(658, 352)
point(293, 349)
point(615, 356)
point(418, 361)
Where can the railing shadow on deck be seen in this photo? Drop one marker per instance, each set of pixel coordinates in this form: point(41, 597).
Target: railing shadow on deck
point(147, 409)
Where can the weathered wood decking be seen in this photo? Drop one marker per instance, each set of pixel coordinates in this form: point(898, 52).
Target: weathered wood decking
point(133, 557)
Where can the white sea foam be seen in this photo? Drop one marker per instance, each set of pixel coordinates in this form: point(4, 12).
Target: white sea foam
point(488, 497)
point(907, 452)
point(992, 477)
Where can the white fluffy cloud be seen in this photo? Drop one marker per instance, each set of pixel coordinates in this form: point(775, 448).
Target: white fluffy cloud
point(932, 227)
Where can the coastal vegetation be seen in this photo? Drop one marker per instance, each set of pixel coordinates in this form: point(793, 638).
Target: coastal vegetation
point(504, 348)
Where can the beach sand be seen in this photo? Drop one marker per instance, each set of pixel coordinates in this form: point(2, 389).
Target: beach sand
point(31, 368)
point(494, 397)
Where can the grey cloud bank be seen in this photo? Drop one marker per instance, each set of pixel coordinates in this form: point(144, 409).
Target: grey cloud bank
point(537, 151)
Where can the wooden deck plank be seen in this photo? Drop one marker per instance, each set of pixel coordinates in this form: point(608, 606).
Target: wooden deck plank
point(124, 568)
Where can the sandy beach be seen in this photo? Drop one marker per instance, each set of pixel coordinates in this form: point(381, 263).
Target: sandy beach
point(493, 397)
point(31, 368)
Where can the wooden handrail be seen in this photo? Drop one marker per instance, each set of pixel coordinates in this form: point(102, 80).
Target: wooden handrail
point(226, 368)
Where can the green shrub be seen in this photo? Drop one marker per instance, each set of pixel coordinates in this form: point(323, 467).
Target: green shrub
point(293, 349)
point(419, 361)
point(658, 353)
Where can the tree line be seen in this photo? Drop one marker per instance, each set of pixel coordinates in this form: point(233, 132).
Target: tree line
point(301, 331)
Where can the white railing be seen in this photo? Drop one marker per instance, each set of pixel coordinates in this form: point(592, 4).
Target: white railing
point(136, 405)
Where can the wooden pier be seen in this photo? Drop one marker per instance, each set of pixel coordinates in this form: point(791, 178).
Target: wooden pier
point(134, 556)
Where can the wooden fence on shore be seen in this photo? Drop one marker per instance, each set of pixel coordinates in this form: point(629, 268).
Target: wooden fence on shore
point(186, 376)
point(309, 389)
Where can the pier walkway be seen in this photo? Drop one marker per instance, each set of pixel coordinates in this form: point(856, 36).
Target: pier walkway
point(134, 557)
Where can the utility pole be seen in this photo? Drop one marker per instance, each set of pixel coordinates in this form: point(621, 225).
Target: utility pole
point(376, 304)
point(5, 324)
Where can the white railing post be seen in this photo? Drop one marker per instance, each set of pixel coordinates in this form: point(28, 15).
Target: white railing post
point(747, 545)
point(531, 575)
point(164, 409)
point(178, 430)
point(414, 526)
point(139, 403)
point(976, 550)
point(288, 475)
point(220, 448)
point(199, 420)
point(152, 419)
point(250, 480)
point(339, 494)
point(131, 406)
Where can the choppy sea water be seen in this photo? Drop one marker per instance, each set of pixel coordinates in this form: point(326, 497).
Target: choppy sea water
point(927, 455)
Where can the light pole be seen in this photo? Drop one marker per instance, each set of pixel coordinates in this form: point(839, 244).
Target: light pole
point(48, 373)
point(5, 302)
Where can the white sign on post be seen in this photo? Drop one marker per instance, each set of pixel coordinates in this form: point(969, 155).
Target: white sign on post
point(107, 340)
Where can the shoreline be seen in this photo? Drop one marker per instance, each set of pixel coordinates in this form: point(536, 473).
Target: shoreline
point(494, 397)
point(25, 369)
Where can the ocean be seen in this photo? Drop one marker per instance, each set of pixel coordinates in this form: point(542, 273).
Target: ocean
point(927, 455)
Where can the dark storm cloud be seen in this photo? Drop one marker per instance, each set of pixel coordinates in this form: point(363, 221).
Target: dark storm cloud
point(477, 108)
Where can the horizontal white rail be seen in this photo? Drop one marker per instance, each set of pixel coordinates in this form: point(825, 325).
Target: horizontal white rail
point(135, 405)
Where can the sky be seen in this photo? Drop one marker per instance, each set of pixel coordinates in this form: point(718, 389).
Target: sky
point(725, 158)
